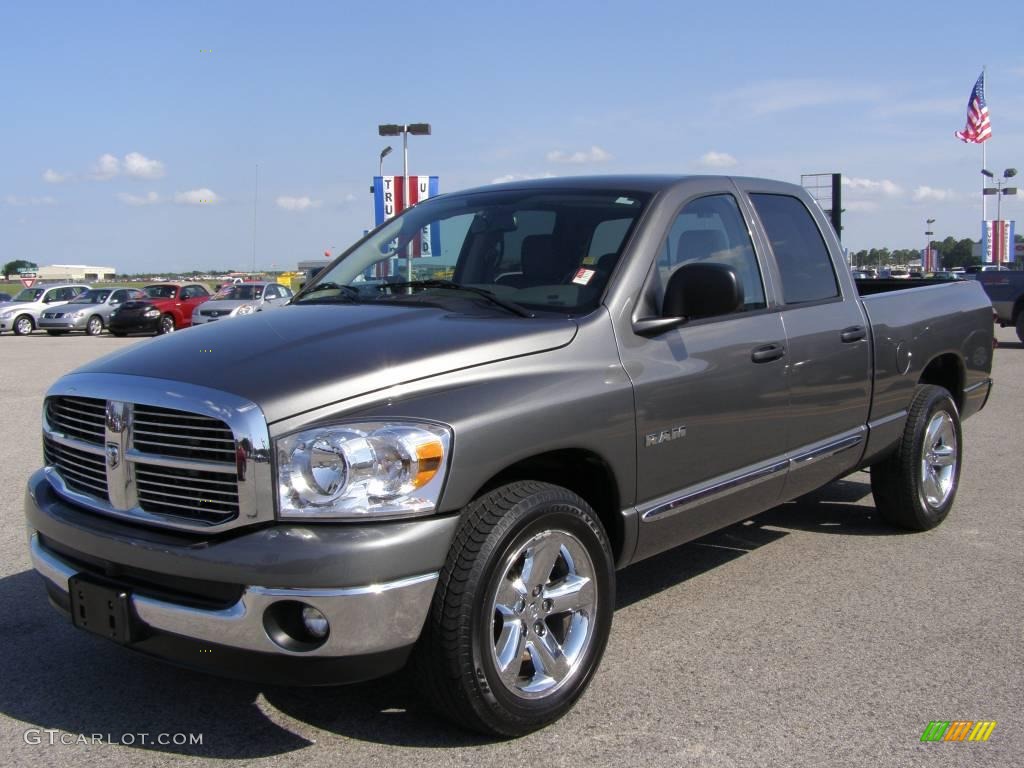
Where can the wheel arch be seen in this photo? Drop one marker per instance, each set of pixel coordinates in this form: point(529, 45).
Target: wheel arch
point(582, 471)
point(947, 371)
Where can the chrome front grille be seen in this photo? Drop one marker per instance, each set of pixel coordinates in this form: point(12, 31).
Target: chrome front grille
point(142, 459)
point(168, 432)
point(82, 471)
point(83, 418)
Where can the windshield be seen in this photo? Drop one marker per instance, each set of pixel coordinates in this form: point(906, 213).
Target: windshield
point(91, 297)
point(161, 291)
point(538, 249)
point(239, 293)
point(29, 294)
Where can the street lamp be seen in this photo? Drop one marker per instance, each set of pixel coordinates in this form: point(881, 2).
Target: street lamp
point(416, 129)
point(999, 190)
point(928, 266)
point(383, 153)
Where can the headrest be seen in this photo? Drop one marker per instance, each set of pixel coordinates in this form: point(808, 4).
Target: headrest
point(538, 258)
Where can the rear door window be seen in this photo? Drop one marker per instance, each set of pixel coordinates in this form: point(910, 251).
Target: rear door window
point(800, 251)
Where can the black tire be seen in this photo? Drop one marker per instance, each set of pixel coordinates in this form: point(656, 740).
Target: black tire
point(166, 325)
point(23, 325)
point(906, 493)
point(1020, 326)
point(95, 326)
point(455, 662)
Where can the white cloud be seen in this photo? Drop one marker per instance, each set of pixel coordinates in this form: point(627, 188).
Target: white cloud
point(924, 192)
point(202, 196)
point(783, 95)
point(350, 198)
point(297, 203)
point(521, 177)
point(715, 159)
point(134, 164)
point(594, 155)
point(150, 198)
point(21, 201)
point(141, 167)
point(871, 186)
point(863, 206)
point(106, 168)
point(51, 176)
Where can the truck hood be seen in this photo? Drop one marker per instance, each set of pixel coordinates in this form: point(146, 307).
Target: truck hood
point(306, 357)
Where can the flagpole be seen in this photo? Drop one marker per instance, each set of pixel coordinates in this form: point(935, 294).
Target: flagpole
point(984, 153)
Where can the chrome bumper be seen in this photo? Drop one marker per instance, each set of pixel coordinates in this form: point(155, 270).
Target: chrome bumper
point(364, 620)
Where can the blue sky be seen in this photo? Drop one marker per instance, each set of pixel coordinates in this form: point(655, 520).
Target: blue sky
point(131, 132)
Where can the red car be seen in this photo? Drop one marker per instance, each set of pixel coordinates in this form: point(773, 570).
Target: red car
point(168, 308)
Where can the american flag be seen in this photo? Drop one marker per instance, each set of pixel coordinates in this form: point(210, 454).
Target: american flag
point(978, 128)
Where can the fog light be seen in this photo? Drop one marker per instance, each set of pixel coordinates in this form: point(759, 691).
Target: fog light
point(315, 622)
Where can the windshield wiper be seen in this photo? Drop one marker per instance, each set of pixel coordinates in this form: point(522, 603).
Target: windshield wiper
point(350, 294)
point(452, 285)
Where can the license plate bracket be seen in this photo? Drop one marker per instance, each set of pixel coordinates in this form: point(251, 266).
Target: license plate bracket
point(102, 608)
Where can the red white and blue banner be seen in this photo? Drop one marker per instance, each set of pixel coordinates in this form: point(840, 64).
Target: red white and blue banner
point(389, 201)
point(997, 241)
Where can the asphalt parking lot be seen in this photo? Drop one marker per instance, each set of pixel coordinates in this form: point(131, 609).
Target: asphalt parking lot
point(812, 635)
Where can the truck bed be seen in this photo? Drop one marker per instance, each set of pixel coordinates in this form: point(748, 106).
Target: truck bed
point(887, 284)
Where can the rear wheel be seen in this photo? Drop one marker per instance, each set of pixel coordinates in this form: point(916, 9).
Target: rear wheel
point(95, 326)
point(914, 488)
point(1020, 327)
point(166, 324)
point(24, 325)
point(522, 611)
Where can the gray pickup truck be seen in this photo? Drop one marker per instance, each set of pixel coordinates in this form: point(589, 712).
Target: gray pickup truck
point(442, 459)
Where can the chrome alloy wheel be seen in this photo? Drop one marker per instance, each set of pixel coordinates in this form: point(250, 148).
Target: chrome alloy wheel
point(939, 457)
point(544, 607)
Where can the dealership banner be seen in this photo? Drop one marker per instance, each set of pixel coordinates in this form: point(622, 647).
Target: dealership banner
point(997, 241)
point(389, 201)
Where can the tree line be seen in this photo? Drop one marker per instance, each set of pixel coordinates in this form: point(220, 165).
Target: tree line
point(953, 252)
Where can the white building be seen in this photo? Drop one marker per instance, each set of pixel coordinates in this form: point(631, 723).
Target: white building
point(75, 273)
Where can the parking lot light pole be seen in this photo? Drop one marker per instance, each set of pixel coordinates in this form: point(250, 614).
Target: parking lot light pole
point(928, 265)
point(416, 129)
point(999, 190)
point(383, 153)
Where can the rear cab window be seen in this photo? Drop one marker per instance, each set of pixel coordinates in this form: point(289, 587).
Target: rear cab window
point(804, 263)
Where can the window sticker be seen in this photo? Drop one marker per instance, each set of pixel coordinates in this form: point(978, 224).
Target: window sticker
point(583, 276)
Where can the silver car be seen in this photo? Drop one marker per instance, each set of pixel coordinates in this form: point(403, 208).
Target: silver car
point(89, 311)
point(22, 314)
point(241, 299)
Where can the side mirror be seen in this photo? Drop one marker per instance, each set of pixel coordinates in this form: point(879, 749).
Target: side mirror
point(697, 290)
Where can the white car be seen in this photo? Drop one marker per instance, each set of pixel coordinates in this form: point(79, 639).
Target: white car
point(241, 299)
point(22, 314)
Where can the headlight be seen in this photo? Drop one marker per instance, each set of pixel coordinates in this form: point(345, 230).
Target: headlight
point(80, 314)
point(6, 315)
point(245, 309)
point(151, 313)
point(352, 471)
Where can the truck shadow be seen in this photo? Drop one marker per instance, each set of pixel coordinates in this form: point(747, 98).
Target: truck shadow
point(55, 677)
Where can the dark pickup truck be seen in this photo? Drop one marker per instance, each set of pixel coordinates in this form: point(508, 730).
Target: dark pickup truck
point(1006, 290)
point(443, 459)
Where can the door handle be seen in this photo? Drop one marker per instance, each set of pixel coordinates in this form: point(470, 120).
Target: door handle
point(767, 353)
point(852, 334)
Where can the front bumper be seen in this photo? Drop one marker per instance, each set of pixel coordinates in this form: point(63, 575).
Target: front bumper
point(373, 583)
point(134, 324)
point(63, 323)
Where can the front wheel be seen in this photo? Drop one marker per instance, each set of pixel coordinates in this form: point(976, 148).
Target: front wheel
point(522, 611)
point(24, 325)
point(166, 324)
point(95, 326)
point(914, 488)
